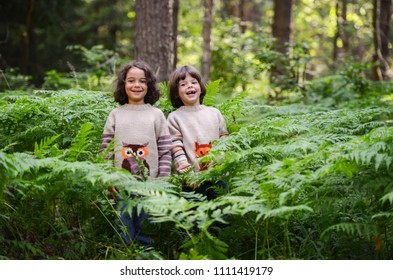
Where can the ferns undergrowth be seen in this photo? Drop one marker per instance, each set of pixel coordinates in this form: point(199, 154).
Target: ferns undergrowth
point(304, 181)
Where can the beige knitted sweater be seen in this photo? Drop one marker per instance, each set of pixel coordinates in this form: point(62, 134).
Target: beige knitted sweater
point(143, 130)
point(192, 129)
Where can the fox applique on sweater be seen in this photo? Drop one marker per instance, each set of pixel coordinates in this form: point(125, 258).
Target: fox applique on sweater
point(200, 151)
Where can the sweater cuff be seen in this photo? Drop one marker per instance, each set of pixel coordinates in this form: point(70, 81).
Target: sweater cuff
point(183, 167)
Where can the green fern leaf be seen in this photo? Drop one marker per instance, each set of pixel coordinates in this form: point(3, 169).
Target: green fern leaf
point(80, 143)
point(40, 150)
point(352, 229)
point(387, 198)
point(212, 88)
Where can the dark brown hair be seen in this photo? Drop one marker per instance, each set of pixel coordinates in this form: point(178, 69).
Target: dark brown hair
point(180, 74)
point(153, 92)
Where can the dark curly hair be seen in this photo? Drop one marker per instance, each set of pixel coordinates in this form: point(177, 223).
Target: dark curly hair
point(180, 74)
point(153, 91)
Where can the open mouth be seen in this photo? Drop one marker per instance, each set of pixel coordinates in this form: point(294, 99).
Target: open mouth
point(193, 92)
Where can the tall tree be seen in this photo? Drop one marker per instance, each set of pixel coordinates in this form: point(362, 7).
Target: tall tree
point(282, 33)
point(340, 39)
point(381, 22)
point(282, 24)
point(207, 42)
point(155, 37)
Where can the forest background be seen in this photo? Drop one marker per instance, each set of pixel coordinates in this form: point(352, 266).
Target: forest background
point(305, 88)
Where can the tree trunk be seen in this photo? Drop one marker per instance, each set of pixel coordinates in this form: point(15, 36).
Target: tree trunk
point(27, 37)
point(341, 34)
point(207, 42)
point(381, 22)
point(282, 24)
point(155, 36)
point(384, 26)
point(282, 32)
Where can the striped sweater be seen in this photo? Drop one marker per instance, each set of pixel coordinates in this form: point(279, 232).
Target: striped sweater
point(193, 128)
point(139, 131)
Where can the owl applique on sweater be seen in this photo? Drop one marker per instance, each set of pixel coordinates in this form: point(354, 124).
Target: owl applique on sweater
point(131, 154)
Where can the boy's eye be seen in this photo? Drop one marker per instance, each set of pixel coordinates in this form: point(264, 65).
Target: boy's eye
point(133, 81)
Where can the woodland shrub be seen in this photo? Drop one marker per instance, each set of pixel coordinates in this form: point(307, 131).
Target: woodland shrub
point(309, 180)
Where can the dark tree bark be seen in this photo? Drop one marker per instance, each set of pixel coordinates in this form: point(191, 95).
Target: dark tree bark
point(156, 32)
point(26, 36)
point(207, 42)
point(381, 22)
point(341, 34)
point(282, 24)
point(282, 32)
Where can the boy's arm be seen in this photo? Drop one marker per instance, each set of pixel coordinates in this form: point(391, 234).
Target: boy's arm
point(222, 127)
point(164, 145)
point(178, 153)
point(108, 134)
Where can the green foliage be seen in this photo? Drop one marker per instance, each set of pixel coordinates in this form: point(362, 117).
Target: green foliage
point(296, 181)
point(287, 71)
point(235, 56)
point(101, 65)
point(164, 103)
point(30, 119)
point(55, 80)
point(11, 79)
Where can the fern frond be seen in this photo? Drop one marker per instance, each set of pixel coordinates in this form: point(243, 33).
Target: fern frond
point(80, 143)
point(40, 150)
point(213, 87)
point(283, 211)
point(383, 215)
point(387, 198)
point(352, 229)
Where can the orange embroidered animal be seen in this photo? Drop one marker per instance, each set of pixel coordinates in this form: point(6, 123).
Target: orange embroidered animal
point(200, 151)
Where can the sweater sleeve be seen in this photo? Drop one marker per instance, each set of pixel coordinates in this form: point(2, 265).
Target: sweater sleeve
point(178, 152)
point(108, 133)
point(222, 126)
point(164, 145)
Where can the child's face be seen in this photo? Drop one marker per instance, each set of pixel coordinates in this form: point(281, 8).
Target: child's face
point(136, 86)
point(189, 90)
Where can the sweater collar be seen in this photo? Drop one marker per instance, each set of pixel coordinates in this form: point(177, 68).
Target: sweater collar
point(194, 108)
point(131, 107)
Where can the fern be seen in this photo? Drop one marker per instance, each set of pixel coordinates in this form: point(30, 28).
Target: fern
point(387, 198)
point(40, 150)
point(80, 143)
point(352, 229)
point(302, 182)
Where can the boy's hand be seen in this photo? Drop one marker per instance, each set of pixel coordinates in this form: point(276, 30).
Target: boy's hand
point(113, 192)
